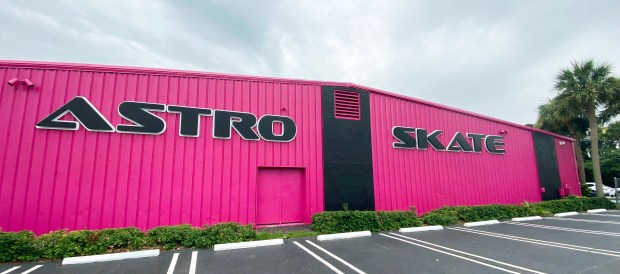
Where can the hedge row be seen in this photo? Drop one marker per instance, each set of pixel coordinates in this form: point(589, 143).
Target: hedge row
point(24, 246)
point(452, 215)
point(348, 221)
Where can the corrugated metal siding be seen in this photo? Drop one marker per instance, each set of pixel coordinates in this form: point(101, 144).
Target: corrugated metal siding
point(567, 165)
point(55, 179)
point(431, 179)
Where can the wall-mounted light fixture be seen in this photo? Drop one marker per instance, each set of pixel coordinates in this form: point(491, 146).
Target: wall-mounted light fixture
point(26, 82)
point(562, 143)
point(12, 82)
point(503, 131)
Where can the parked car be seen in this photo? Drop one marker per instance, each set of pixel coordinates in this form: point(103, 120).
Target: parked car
point(607, 191)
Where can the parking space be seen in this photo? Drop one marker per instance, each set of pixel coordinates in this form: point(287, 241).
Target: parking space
point(551, 245)
point(578, 225)
point(581, 239)
point(542, 258)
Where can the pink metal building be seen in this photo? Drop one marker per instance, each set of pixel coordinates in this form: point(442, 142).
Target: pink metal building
point(89, 146)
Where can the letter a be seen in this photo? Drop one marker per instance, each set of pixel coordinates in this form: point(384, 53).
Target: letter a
point(83, 111)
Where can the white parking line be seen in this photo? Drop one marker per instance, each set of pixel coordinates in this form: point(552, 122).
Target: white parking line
point(318, 258)
point(10, 269)
point(596, 232)
point(584, 220)
point(192, 263)
point(469, 254)
point(450, 254)
point(337, 258)
point(32, 269)
point(173, 263)
point(541, 242)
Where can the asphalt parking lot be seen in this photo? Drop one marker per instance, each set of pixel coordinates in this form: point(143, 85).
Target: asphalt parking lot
point(586, 243)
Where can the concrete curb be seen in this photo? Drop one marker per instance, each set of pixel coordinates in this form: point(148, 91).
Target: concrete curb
point(220, 247)
point(597, 210)
point(421, 228)
point(348, 235)
point(564, 214)
point(111, 257)
point(521, 219)
point(489, 222)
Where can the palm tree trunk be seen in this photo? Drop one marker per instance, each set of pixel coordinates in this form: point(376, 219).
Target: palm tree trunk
point(596, 162)
point(578, 154)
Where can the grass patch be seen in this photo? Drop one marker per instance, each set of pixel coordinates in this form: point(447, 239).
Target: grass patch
point(268, 235)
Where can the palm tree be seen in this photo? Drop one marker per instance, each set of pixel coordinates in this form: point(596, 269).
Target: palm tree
point(587, 86)
point(555, 116)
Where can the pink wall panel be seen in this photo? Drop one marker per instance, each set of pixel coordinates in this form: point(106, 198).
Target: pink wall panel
point(53, 179)
point(568, 166)
point(430, 179)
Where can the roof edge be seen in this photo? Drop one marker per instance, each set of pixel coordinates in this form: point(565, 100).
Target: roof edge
point(190, 73)
point(144, 70)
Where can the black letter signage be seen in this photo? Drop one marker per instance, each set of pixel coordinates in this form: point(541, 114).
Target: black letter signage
point(459, 142)
point(144, 121)
point(83, 111)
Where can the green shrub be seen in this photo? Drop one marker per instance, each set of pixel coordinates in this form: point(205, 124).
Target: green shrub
point(585, 190)
point(59, 244)
point(444, 216)
point(493, 212)
point(393, 220)
point(459, 214)
point(115, 239)
point(229, 233)
point(573, 203)
point(345, 221)
point(170, 237)
point(18, 246)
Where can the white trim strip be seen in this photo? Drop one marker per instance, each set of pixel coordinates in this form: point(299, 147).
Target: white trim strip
point(111, 257)
point(585, 220)
point(489, 222)
point(220, 247)
point(472, 255)
point(540, 242)
point(597, 210)
point(564, 214)
point(192, 262)
point(530, 218)
point(337, 258)
point(333, 268)
point(10, 269)
point(421, 228)
point(32, 269)
point(347, 235)
point(173, 263)
point(450, 254)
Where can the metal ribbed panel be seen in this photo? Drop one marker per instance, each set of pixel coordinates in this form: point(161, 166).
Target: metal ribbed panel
point(567, 166)
point(53, 179)
point(430, 179)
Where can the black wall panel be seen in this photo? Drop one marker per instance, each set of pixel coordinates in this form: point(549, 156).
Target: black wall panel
point(547, 163)
point(347, 155)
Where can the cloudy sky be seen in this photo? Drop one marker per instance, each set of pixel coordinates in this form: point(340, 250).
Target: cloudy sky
point(497, 58)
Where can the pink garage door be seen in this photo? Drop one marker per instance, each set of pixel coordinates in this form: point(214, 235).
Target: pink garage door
point(280, 196)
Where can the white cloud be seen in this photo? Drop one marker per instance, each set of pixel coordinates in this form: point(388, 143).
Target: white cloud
point(497, 58)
